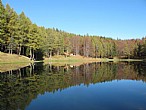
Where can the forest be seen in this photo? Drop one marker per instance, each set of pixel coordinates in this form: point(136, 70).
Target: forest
point(19, 35)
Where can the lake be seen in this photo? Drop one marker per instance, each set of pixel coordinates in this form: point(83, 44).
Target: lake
point(95, 86)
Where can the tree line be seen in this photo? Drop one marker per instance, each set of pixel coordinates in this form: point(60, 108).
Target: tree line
point(20, 36)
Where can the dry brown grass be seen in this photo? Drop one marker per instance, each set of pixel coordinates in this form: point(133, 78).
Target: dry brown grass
point(12, 62)
point(78, 58)
point(72, 60)
point(8, 58)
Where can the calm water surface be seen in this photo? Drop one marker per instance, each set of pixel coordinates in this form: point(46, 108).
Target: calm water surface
point(96, 86)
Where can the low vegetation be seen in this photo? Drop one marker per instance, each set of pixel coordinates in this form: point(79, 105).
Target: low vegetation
point(74, 58)
point(78, 60)
point(12, 62)
point(12, 58)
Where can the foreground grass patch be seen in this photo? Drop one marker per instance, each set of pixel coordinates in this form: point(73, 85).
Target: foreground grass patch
point(12, 62)
point(12, 58)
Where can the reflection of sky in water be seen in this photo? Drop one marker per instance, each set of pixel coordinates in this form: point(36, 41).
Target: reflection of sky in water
point(114, 95)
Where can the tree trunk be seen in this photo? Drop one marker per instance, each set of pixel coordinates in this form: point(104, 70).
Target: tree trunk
point(1, 48)
point(23, 51)
point(50, 54)
point(33, 69)
point(30, 53)
point(9, 51)
point(33, 54)
point(47, 54)
point(19, 73)
point(50, 67)
point(20, 49)
point(30, 70)
point(58, 52)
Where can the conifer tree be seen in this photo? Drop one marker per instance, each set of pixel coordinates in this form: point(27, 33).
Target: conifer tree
point(2, 24)
point(12, 27)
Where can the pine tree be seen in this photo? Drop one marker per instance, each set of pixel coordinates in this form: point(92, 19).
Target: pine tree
point(2, 24)
point(12, 27)
point(22, 32)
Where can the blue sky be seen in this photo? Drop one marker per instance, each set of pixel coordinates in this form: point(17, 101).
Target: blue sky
point(122, 19)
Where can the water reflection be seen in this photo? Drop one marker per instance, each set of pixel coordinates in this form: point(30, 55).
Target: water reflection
point(18, 88)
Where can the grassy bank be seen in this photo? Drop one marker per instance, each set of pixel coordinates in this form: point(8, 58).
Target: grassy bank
point(76, 58)
point(12, 58)
point(12, 62)
point(81, 59)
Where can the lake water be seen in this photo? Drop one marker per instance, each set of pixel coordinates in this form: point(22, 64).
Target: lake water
point(95, 86)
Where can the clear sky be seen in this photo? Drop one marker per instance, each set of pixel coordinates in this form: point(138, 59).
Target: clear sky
point(122, 19)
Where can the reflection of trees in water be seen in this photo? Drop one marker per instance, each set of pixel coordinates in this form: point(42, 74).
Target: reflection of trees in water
point(19, 87)
point(133, 71)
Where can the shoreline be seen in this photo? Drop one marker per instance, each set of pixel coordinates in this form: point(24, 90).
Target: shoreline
point(85, 59)
point(17, 63)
